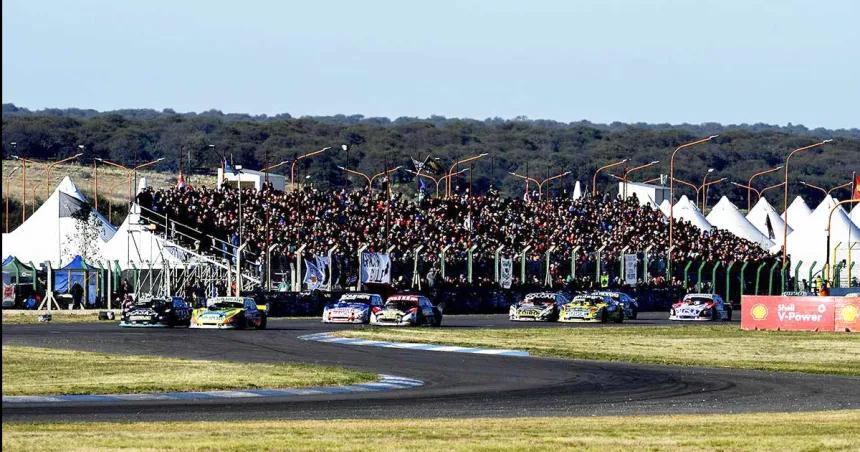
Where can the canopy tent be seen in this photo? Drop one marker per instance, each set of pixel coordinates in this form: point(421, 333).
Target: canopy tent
point(577, 191)
point(78, 271)
point(807, 245)
point(765, 218)
point(664, 207)
point(798, 212)
point(52, 231)
point(726, 215)
point(135, 246)
point(855, 214)
point(684, 209)
point(17, 272)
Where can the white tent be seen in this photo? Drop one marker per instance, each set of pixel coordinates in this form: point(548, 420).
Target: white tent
point(577, 191)
point(684, 209)
point(855, 214)
point(664, 207)
point(134, 246)
point(759, 216)
point(52, 234)
point(808, 242)
point(726, 215)
point(798, 211)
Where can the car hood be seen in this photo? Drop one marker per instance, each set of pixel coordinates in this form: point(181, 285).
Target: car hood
point(218, 312)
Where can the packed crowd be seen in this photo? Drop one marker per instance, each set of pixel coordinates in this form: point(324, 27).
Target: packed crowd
point(349, 219)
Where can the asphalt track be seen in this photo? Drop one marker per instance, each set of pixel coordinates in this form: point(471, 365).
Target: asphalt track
point(456, 384)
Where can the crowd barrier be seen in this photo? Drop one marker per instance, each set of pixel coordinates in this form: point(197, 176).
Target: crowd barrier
point(800, 313)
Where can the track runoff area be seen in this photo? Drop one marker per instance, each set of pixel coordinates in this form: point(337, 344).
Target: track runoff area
point(549, 378)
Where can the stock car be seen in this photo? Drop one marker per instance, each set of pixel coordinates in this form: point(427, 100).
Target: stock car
point(156, 312)
point(352, 308)
point(592, 308)
point(701, 307)
point(537, 307)
point(407, 310)
point(631, 307)
point(230, 313)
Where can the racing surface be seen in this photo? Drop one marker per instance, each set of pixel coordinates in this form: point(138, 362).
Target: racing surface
point(456, 384)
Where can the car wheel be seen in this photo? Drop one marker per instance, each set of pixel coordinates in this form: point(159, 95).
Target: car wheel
point(729, 314)
point(603, 316)
point(620, 317)
point(635, 314)
point(715, 315)
point(437, 318)
point(263, 322)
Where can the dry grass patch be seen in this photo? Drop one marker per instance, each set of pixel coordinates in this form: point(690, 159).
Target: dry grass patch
point(47, 371)
point(773, 431)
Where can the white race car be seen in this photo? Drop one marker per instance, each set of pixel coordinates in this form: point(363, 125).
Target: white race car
point(538, 307)
point(701, 307)
point(352, 308)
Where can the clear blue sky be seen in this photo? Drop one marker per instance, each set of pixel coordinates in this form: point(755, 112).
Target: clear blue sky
point(728, 61)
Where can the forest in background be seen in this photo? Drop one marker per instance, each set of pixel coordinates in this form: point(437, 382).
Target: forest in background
point(538, 147)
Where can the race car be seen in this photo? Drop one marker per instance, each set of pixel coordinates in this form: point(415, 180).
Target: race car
point(230, 313)
point(352, 308)
point(592, 308)
point(155, 312)
point(407, 310)
point(537, 307)
point(631, 307)
point(701, 307)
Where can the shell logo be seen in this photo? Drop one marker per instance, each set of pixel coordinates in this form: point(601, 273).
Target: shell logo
point(759, 312)
point(849, 313)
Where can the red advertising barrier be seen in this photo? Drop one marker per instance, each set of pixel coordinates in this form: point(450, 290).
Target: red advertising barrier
point(847, 314)
point(804, 313)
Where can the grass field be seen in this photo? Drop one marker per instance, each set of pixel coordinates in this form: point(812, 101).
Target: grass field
point(62, 316)
point(46, 371)
point(693, 345)
point(818, 431)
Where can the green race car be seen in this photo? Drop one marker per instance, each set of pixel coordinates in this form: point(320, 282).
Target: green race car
point(591, 308)
point(230, 313)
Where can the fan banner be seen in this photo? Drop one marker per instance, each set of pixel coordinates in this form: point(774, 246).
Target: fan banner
point(375, 268)
point(630, 267)
point(507, 273)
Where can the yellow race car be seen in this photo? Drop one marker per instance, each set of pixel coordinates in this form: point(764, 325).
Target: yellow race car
point(591, 308)
point(230, 313)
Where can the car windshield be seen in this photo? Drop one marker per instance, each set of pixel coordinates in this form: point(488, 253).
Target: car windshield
point(225, 305)
point(401, 305)
point(539, 300)
point(355, 300)
point(150, 303)
point(697, 300)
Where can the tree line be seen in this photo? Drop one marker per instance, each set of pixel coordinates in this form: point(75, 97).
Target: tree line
point(539, 148)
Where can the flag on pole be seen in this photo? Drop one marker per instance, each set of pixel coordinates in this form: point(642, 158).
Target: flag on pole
point(418, 165)
point(770, 233)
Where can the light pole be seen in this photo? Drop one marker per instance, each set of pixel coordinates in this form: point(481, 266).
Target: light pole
point(749, 184)
point(594, 179)
point(457, 163)
point(704, 191)
point(785, 197)
point(24, 163)
point(369, 179)
point(266, 170)
point(672, 191)
point(293, 166)
point(540, 183)
point(6, 216)
point(527, 179)
point(50, 170)
point(816, 187)
point(749, 189)
point(763, 190)
point(132, 173)
point(626, 177)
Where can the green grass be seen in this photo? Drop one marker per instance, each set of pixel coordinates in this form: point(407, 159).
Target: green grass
point(62, 316)
point(836, 430)
point(693, 345)
point(47, 371)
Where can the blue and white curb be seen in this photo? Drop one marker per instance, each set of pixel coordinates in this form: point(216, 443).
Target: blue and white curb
point(385, 383)
point(329, 338)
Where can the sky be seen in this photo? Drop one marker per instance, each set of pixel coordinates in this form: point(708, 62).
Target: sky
point(656, 61)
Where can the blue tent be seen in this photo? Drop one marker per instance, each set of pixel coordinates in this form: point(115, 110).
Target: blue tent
point(77, 271)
